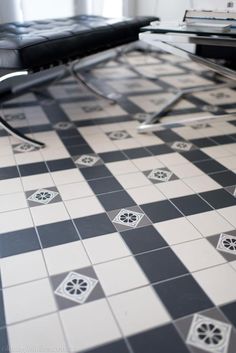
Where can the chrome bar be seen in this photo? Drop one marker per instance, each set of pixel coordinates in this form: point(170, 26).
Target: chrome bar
point(9, 128)
point(144, 128)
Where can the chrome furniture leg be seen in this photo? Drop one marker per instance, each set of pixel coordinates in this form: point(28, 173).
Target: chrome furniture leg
point(8, 127)
point(111, 97)
point(150, 123)
point(153, 122)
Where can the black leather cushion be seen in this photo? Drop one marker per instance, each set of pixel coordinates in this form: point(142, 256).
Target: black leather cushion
point(41, 44)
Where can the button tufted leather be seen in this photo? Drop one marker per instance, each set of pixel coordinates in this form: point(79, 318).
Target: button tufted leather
point(37, 45)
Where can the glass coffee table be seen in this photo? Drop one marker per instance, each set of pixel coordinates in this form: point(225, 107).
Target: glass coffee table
point(168, 38)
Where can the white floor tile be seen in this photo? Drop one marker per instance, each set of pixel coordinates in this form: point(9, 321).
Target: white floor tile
point(218, 283)
point(84, 207)
point(171, 159)
point(15, 220)
point(12, 202)
point(201, 183)
point(105, 248)
point(217, 151)
point(186, 170)
point(10, 186)
point(22, 268)
point(67, 176)
point(133, 180)
point(34, 182)
point(122, 167)
point(127, 143)
point(229, 213)
point(139, 310)
point(52, 213)
point(147, 163)
point(94, 322)
point(65, 258)
point(228, 162)
point(210, 223)
point(174, 188)
point(43, 334)
point(146, 194)
point(28, 300)
point(75, 190)
point(177, 231)
point(198, 254)
point(26, 158)
point(7, 161)
point(120, 275)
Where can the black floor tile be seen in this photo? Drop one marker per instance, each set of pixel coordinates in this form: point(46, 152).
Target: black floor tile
point(92, 226)
point(114, 156)
point(100, 171)
point(183, 296)
point(2, 313)
point(114, 347)
point(222, 139)
point(9, 173)
point(161, 264)
point(210, 166)
point(41, 128)
point(203, 142)
point(159, 149)
point(57, 234)
point(191, 205)
point(33, 169)
point(74, 140)
point(164, 339)
point(14, 243)
point(4, 341)
point(143, 239)
point(115, 200)
point(60, 164)
point(133, 153)
point(79, 149)
point(168, 136)
point(233, 122)
point(230, 312)
point(195, 155)
point(68, 133)
point(104, 185)
point(160, 211)
point(226, 178)
point(219, 198)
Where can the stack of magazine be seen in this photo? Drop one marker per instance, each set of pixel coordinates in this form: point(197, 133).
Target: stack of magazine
point(221, 20)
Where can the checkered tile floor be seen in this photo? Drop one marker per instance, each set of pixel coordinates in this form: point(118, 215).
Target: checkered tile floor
point(115, 242)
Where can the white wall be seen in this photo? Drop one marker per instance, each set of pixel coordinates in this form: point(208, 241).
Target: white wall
point(10, 11)
point(41, 9)
point(166, 9)
point(211, 4)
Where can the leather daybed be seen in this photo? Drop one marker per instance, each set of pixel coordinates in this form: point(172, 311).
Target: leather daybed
point(33, 46)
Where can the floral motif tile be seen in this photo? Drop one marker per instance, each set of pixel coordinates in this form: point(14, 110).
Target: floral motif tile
point(209, 334)
point(76, 287)
point(160, 175)
point(43, 197)
point(87, 160)
point(23, 148)
point(118, 135)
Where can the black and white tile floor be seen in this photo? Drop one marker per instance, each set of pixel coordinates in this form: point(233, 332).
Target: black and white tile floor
point(115, 242)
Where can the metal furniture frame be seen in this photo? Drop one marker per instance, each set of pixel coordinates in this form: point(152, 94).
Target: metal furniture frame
point(167, 40)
